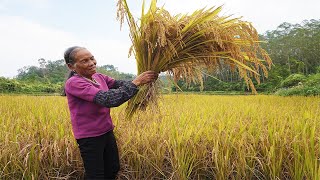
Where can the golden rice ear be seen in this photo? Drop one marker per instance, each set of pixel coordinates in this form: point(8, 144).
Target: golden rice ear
point(184, 45)
point(120, 12)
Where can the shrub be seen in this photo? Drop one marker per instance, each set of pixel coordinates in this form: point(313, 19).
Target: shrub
point(299, 91)
point(293, 80)
point(313, 80)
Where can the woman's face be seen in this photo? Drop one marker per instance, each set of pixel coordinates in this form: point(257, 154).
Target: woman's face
point(85, 63)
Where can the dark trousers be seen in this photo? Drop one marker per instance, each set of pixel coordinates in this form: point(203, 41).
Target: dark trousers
point(100, 156)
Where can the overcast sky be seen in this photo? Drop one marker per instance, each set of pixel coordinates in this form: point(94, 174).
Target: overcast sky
point(34, 29)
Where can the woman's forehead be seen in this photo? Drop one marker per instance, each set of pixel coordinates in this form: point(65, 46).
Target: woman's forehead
point(83, 54)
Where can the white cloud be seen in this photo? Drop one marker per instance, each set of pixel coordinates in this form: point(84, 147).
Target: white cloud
point(2, 7)
point(32, 3)
point(37, 3)
point(23, 42)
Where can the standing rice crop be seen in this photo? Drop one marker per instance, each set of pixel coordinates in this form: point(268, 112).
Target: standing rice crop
point(186, 45)
point(193, 137)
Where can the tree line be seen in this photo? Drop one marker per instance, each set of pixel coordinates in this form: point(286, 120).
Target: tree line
point(49, 77)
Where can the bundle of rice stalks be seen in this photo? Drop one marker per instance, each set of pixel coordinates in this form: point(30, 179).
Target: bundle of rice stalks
point(185, 45)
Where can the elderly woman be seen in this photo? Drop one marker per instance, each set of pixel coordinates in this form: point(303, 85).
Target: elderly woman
point(90, 96)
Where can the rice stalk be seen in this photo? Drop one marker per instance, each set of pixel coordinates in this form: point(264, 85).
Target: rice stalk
point(184, 46)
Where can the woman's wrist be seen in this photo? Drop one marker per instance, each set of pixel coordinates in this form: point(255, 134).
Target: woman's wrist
point(135, 82)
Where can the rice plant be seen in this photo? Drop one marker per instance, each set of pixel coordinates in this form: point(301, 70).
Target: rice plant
point(186, 46)
point(192, 137)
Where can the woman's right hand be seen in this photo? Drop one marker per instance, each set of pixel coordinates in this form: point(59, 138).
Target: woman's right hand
point(145, 77)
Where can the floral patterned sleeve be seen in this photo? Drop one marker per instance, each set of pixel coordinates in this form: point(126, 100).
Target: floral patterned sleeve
point(121, 92)
point(119, 83)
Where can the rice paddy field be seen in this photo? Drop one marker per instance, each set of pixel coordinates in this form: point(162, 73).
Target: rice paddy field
point(188, 137)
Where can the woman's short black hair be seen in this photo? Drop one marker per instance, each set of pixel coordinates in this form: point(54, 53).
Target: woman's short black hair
point(69, 58)
point(69, 54)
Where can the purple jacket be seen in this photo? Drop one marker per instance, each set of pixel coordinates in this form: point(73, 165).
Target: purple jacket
point(88, 118)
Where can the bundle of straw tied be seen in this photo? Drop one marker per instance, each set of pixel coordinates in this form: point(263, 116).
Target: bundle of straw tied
point(187, 45)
